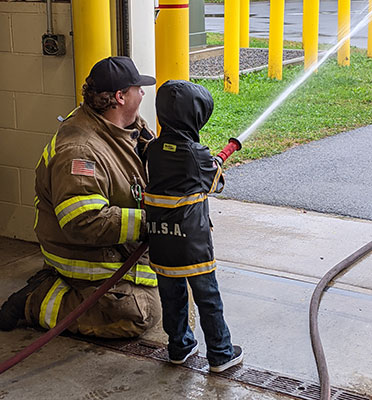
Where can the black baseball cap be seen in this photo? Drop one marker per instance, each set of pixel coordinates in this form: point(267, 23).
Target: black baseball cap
point(115, 73)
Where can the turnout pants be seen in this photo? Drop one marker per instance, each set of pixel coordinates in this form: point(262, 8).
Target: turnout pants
point(126, 310)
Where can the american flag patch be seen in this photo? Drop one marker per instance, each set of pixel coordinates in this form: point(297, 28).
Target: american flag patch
point(83, 167)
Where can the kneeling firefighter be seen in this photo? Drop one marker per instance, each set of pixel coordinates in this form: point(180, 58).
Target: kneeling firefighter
point(87, 220)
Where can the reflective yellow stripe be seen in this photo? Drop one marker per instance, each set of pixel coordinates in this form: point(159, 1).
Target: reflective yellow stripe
point(124, 225)
point(53, 146)
point(50, 149)
point(216, 179)
point(130, 224)
point(93, 271)
point(173, 201)
point(38, 163)
point(187, 270)
point(75, 206)
point(81, 269)
point(36, 202)
point(46, 154)
point(141, 275)
point(50, 306)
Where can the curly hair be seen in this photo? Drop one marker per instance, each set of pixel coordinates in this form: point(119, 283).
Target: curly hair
point(100, 102)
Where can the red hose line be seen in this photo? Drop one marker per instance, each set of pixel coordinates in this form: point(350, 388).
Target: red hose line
point(79, 310)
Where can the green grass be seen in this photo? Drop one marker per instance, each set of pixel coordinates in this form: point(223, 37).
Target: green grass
point(331, 101)
point(216, 39)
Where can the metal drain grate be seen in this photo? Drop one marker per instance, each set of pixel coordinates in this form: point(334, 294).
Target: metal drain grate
point(250, 376)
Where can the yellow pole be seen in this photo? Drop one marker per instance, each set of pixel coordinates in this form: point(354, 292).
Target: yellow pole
point(113, 20)
point(369, 46)
point(244, 23)
point(310, 31)
point(172, 41)
point(344, 9)
point(231, 46)
point(276, 39)
point(92, 37)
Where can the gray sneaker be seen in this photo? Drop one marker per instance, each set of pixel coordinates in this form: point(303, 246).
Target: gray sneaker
point(237, 359)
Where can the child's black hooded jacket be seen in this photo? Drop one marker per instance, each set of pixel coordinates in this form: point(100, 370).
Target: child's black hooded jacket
point(181, 174)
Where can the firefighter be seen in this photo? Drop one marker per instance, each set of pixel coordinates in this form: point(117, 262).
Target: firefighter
point(88, 213)
point(182, 173)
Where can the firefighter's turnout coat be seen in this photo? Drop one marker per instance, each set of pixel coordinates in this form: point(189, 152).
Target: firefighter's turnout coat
point(182, 173)
point(87, 220)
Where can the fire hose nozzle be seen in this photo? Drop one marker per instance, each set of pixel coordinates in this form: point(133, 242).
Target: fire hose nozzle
point(234, 145)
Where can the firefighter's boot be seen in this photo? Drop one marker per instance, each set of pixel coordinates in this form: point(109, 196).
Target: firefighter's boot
point(13, 309)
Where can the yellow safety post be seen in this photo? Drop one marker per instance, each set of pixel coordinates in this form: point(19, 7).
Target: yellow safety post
point(114, 27)
point(231, 46)
point(369, 45)
point(244, 23)
point(344, 9)
point(310, 31)
point(172, 41)
point(276, 39)
point(91, 35)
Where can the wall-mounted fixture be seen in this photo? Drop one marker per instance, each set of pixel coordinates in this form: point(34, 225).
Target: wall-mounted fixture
point(53, 45)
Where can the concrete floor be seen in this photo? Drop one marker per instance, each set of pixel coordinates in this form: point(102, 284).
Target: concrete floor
point(270, 259)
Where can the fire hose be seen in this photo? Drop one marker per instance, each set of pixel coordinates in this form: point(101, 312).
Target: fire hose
point(325, 390)
point(79, 310)
point(321, 363)
point(233, 145)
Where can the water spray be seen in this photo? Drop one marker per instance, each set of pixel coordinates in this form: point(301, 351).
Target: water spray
point(235, 144)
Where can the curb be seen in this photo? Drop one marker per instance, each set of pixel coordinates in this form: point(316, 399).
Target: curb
point(217, 51)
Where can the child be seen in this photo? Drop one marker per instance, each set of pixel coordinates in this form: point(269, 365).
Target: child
point(182, 173)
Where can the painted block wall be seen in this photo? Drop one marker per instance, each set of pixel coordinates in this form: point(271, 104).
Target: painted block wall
point(34, 90)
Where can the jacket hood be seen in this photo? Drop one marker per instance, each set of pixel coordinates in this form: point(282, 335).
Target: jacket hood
point(183, 107)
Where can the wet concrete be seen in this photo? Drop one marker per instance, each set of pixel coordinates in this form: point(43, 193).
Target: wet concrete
point(66, 369)
point(269, 261)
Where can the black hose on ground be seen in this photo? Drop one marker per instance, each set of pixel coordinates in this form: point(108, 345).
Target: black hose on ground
point(321, 363)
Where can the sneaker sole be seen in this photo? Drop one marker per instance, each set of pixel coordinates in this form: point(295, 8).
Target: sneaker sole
point(231, 363)
point(192, 352)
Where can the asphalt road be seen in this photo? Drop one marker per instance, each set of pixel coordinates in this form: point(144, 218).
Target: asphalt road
point(332, 175)
point(260, 12)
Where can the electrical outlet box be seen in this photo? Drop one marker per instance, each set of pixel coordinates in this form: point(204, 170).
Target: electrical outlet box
point(53, 45)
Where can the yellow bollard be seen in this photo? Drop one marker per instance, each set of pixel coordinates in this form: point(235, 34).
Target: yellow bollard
point(244, 23)
point(114, 25)
point(310, 31)
point(231, 46)
point(91, 36)
point(344, 9)
point(276, 39)
point(172, 41)
point(369, 45)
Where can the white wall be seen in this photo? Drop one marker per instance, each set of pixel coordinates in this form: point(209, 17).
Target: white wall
point(143, 51)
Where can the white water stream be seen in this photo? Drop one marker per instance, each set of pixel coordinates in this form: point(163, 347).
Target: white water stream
point(301, 80)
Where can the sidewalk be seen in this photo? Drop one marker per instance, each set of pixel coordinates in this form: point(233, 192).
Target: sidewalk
point(269, 261)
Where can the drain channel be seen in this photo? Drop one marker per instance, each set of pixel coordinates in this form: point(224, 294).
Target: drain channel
point(268, 380)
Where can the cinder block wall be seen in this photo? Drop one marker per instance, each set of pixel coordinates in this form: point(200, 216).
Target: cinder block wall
point(34, 90)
